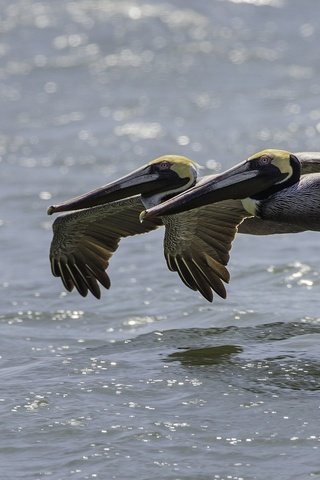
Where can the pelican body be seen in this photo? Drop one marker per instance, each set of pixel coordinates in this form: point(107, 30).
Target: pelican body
point(266, 194)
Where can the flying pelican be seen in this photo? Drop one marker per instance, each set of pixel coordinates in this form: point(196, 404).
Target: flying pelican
point(267, 190)
point(197, 242)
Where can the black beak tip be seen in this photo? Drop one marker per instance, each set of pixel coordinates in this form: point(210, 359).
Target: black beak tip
point(51, 210)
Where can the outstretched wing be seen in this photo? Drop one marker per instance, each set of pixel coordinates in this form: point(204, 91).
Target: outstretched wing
point(259, 226)
point(197, 244)
point(84, 241)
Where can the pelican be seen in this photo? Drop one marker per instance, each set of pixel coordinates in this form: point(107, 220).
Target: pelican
point(198, 240)
point(267, 191)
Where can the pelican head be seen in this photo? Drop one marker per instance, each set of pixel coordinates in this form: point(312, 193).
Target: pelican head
point(259, 176)
point(160, 179)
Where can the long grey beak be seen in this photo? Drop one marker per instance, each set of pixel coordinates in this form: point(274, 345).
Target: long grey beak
point(238, 182)
point(136, 182)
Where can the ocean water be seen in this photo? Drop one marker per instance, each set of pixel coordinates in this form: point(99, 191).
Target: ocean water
point(152, 381)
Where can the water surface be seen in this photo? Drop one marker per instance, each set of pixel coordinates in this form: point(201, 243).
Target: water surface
point(153, 381)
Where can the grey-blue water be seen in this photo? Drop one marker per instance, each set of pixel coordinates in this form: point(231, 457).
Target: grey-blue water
point(152, 381)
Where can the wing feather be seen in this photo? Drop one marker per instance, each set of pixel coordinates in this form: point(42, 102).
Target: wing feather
point(84, 241)
point(197, 245)
point(65, 277)
point(211, 278)
point(184, 273)
point(77, 279)
point(259, 226)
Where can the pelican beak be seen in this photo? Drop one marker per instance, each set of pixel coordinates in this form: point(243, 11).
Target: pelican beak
point(240, 181)
point(140, 181)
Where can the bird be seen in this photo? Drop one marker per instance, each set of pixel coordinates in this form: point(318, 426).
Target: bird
point(85, 239)
point(278, 191)
point(197, 240)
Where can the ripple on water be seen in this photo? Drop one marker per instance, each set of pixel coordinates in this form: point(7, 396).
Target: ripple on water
point(296, 274)
point(169, 396)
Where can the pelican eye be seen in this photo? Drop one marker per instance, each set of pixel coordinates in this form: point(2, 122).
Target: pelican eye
point(264, 160)
point(165, 165)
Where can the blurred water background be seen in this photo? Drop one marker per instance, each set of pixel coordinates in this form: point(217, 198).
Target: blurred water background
point(152, 381)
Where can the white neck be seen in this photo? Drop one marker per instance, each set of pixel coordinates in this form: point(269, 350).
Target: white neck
point(251, 205)
point(157, 198)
